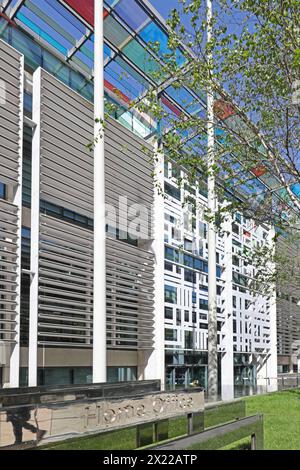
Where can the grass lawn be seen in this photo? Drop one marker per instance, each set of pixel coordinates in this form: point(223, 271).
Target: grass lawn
point(281, 412)
point(281, 418)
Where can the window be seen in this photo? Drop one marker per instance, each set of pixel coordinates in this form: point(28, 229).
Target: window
point(203, 188)
point(235, 261)
point(166, 169)
point(202, 230)
point(170, 335)
point(175, 171)
point(194, 297)
point(170, 294)
point(189, 189)
point(189, 276)
point(121, 374)
point(172, 191)
point(176, 234)
point(188, 340)
point(178, 317)
point(200, 265)
point(203, 288)
point(203, 304)
point(171, 254)
point(2, 191)
point(235, 228)
point(169, 313)
point(188, 245)
point(66, 214)
point(186, 316)
point(239, 279)
point(188, 260)
point(238, 218)
point(168, 266)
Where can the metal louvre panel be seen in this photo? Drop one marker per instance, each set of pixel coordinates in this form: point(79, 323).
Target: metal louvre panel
point(60, 300)
point(66, 126)
point(130, 269)
point(115, 156)
point(125, 304)
point(62, 310)
point(134, 196)
point(11, 122)
point(66, 319)
point(65, 290)
point(8, 270)
point(10, 115)
point(58, 227)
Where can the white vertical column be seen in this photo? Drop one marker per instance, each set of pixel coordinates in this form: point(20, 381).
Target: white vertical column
point(155, 367)
point(35, 231)
point(212, 280)
point(272, 357)
point(227, 370)
point(14, 369)
point(267, 365)
point(99, 304)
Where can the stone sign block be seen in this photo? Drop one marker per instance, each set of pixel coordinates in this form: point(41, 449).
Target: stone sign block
point(46, 422)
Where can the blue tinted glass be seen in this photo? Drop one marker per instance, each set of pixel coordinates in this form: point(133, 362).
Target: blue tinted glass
point(26, 232)
point(296, 189)
point(198, 264)
point(152, 33)
point(188, 260)
point(186, 100)
point(2, 191)
point(36, 29)
point(117, 76)
point(131, 13)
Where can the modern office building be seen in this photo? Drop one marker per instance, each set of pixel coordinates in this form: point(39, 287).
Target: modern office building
point(246, 321)
point(155, 322)
point(288, 313)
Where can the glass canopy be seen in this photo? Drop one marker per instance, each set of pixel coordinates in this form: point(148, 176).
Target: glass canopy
point(58, 35)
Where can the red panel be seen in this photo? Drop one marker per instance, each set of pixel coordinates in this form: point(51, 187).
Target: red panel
point(259, 171)
point(171, 106)
point(115, 90)
point(85, 9)
point(11, 22)
point(223, 109)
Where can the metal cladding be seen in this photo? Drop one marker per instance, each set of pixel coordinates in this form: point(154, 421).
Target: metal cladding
point(11, 130)
point(65, 254)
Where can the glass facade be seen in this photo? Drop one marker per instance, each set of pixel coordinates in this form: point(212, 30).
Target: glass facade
point(121, 374)
point(77, 375)
point(185, 368)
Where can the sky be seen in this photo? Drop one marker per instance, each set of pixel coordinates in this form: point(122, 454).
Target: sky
point(164, 6)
